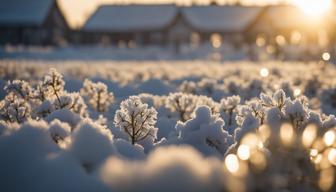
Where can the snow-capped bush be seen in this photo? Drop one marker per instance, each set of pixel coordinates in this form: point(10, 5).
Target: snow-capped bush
point(91, 144)
point(59, 130)
point(53, 85)
point(14, 109)
point(228, 110)
point(97, 95)
point(205, 132)
point(19, 88)
point(183, 104)
point(136, 119)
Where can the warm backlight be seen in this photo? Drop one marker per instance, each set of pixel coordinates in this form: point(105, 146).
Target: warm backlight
point(314, 7)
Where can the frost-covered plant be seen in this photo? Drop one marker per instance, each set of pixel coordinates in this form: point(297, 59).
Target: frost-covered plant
point(78, 105)
point(188, 87)
point(254, 108)
point(40, 93)
point(296, 112)
point(97, 95)
point(277, 100)
point(14, 109)
point(53, 85)
point(207, 101)
point(19, 88)
point(228, 110)
point(183, 104)
point(206, 86)
point(73, 102)
point(136, 119)
point(205, 132)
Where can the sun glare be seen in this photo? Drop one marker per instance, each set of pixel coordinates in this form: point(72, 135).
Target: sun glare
point(314, 7)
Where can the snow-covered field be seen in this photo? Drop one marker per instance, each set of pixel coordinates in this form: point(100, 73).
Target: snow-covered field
point(167, 126)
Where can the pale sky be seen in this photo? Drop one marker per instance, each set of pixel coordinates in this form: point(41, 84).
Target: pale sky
point(77, 11)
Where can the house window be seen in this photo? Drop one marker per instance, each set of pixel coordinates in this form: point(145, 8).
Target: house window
point(195, 40)
point(261, 41)
point(216, 40)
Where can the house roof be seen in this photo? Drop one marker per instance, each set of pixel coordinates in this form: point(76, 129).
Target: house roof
point(127, 18)
point(124, 18)
point(220, 18)
point(24, 12)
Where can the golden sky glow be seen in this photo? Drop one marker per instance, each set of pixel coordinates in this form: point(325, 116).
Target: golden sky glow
point(313, 7)
point(77, 11)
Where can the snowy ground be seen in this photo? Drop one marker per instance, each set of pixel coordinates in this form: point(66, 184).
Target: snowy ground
point(167, 125)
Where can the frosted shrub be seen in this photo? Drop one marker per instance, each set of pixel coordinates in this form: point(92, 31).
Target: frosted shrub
point(14, 109)
point(53, 85)
point(278, 99)
point(183, 104)
point(228, 110)
point(78, 105)
point(97, 95)
point(64, 101)
point(40, 93)
point(188, 87)
point(205, 132)
point(252, 108)
point(19, 88)
point(206, 87)
point(207, 101)
point(136, 119)
point(296, 112)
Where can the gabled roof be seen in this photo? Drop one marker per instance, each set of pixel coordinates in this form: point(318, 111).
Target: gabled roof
point(24, 12)
point(124, 18)
point(220, 18)
point(127, 18)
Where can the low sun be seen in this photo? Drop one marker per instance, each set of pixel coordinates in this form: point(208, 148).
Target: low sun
point(314, 7)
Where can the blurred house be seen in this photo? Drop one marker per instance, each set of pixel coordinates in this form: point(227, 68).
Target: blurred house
point(37, 22)
point(130, 25)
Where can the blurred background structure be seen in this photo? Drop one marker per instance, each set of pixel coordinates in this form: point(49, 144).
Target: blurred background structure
point(278, 29)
